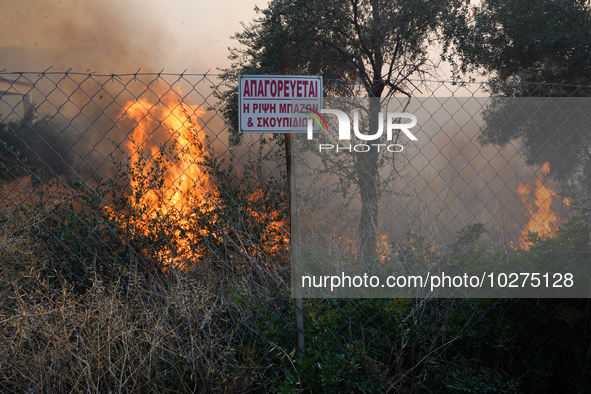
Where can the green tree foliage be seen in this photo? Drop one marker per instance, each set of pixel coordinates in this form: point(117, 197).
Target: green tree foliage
point(550, 131)
point(531, 49)
point(527, 41)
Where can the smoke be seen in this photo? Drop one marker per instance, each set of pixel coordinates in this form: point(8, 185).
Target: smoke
point(84, 36)
point(65, 133)
point(437, 186)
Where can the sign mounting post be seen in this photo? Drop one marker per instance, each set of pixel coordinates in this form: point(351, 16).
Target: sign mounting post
point(281, 104)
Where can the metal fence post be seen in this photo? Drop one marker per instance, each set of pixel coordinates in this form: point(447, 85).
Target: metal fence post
point(299, 309)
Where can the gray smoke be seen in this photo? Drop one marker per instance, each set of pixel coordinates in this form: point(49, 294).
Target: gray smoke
point(85, 36)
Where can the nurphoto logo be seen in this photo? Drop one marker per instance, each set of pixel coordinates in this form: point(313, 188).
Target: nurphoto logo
point(394, 121)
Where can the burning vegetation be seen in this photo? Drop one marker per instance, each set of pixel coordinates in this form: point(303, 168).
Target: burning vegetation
point(537, 201)
point(179, 201)
point(175, 204)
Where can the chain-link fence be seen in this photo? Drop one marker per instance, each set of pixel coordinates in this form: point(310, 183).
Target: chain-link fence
point(439, 181)
point(145, 244)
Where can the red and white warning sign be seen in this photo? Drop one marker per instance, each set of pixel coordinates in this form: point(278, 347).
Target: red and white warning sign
point(277, 103)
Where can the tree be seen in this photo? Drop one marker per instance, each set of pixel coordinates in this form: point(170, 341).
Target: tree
point(531, 49)
point(525, 41)
point(379, 44)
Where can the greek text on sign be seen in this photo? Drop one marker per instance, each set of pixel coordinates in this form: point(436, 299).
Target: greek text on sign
point(277, 103)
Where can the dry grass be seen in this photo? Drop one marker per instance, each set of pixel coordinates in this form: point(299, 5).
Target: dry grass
point(122, 326)
point(140, 334)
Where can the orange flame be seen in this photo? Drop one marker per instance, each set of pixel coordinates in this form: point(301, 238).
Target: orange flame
point(543, 221)
point(170, 189)
point(166, 179)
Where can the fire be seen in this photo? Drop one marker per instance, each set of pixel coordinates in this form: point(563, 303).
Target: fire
point(179, 119)
point(174, 207)
point(274, 238)
point(167, 182)
point(543, 221)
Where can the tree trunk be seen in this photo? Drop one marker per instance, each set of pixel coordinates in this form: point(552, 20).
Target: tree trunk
point(367, 179)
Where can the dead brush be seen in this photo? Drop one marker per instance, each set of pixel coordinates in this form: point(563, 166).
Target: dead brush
point(178, 332)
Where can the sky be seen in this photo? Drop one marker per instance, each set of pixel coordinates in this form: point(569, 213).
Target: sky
point(109, 36)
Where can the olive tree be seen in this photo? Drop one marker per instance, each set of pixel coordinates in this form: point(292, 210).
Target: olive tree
point(379, 45)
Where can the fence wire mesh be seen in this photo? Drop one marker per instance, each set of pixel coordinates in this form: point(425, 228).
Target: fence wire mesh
point(145, 245)
point(442, 202)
